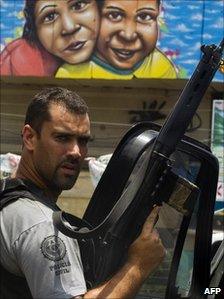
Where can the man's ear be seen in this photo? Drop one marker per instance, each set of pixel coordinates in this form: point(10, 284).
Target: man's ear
point(29, 136)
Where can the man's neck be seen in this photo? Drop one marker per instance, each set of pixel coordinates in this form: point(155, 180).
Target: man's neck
point(27, 171)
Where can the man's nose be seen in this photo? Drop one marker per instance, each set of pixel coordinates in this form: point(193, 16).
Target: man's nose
point(129, 31)
point(69, 25)
point(75, 150)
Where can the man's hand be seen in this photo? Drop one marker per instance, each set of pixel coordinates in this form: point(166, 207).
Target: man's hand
point(144, 255)
point(147, 251)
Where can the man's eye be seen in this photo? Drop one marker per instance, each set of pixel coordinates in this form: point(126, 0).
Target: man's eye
point(144, 17)
point(62, 138)
point(115, 16)
point(50, 17)
point(78, 5)
point(83, 140)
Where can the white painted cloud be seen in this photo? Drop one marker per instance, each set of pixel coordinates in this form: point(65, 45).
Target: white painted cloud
point(169, 5)
point(197, 17)
point(189, 37)
point(178, 42)
point(196, 46)
point(12, 14)
point(192, 7)
point(207, 36)
point(219, 3)
point(183, 28)
point(191, 61)
point(213, 11)
point(4, 4)
point(218, 24)
point(196, 25)
point(171, 17)
point(2, 26)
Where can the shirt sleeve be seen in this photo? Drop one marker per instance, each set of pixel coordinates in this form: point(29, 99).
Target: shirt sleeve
point(50, 261)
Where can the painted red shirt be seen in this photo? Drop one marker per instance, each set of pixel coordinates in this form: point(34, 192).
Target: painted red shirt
point(20, 58)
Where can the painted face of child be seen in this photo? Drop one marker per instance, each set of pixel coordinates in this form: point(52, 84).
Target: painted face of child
point(128, 31)
point(67, 28)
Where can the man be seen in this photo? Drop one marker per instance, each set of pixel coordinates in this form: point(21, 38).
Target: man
point(39, 260)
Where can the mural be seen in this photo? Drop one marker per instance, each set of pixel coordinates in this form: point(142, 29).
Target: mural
point(107, 39)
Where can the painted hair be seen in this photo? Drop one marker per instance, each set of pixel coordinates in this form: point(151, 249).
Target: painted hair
point(101, 2)
point(29, 29)
point(38, 110)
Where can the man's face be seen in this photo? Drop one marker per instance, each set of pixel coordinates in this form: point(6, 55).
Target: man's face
point(61, 148)
point(128, 31)
point(67, 28)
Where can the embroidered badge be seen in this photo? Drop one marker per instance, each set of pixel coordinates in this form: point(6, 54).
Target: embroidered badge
point(53, 248)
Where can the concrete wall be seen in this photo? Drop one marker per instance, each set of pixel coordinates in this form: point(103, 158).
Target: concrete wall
point(110, 103)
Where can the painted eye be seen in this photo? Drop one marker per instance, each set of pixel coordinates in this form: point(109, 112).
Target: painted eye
point(115, 16)
point(144, 17)
point(79, 5)
point(50, 17)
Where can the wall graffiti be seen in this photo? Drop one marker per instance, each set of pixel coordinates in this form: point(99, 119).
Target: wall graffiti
point(107, 39)
point(152, 111)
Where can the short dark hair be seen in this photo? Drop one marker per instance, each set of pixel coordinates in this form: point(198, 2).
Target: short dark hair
point(38, 110)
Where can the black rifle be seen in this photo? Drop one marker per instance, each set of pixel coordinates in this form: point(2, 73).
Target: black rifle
point(129, 188)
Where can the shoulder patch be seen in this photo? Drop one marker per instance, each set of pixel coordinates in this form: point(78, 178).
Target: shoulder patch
point(53, 248)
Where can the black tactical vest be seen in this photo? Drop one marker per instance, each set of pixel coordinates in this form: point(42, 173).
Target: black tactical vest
point(13, 286)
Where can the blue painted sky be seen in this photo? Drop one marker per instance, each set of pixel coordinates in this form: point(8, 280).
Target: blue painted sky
point(191, 24)
point(185, 26)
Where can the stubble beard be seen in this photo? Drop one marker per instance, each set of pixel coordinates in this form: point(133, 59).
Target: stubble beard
point(64, 182)
point(59, 182)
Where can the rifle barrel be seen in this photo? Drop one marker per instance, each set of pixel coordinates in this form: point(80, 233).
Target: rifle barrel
point(179, 119)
